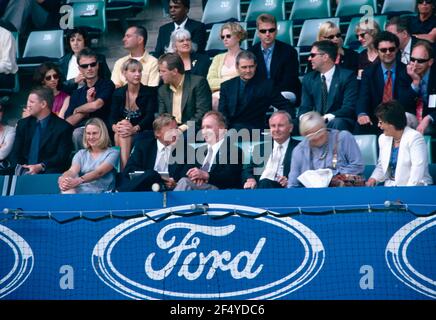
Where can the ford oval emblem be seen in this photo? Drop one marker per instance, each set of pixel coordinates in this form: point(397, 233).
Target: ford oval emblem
point(198, 257)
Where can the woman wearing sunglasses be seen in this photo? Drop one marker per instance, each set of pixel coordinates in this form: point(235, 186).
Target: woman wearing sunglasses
point(423, 26)
point(181, 43)
point(347, 58)
point(223, 65)
point(366, 32)
point(48, 75)
point(403, 158)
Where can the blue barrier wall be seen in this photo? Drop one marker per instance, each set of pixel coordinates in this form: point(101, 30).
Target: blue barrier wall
point(343, 243)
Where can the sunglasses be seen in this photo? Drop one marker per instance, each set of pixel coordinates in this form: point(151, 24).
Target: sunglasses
point(315, 134)
point(422, 1)
point(361, 35)
point(86, 65)
point(271, 30)
point(228, 36)
point(390, 49)
point(314, 54)
point(331, 37)
point(52, 76)
point(412, 59)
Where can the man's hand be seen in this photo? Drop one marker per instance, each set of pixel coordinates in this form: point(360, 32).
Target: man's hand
point(371, 182)
point(170, 183)
point(197, 174)
point(250, 183)
point(424, 124)
point(283, 181)
point(33, 168)
point(90, 94)
point(364, 119)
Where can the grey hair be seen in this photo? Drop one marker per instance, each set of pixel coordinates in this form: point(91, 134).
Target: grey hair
point(310, 120)
point(283, 112)
point(177, 35)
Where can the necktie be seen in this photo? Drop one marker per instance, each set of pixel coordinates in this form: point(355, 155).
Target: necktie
point(34, 147)
point(161, 164)
point(419, 109)
point(387, 90)
point(206, 165)
point(267, 58)
point(278, 162)
point(324, 94)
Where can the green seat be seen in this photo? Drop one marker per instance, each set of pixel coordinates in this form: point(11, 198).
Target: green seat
point(35, 184)
point(4, 185)
point(350, 8)
point(305, 9)
point(42, 46)
point(217, 11)
point(350, 38)
point(214, 43)
point(121, 10)
point(309, 31)
point(284, 32)
point(428, 143)
point(395, 7)
point(273, 7)
point(368, 147)
point(91, 15)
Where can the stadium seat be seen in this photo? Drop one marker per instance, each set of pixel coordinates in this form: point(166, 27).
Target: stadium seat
point(369, 168)
point(395, 7)
point(4, 185)
point(91, 15)
point(350, 8)
point(42, 46)
point(350, 38)
point(284, 32)
point(304, 9)
point(309, 31)
point(217, 11)
point(432, 171)
point(121, 10)
point(214, 43)
point(368, 147)
point(35, 184)
point(273, 7)
point(429, 151)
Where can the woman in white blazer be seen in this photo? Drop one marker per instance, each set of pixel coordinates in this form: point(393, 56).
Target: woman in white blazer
point(403, 159)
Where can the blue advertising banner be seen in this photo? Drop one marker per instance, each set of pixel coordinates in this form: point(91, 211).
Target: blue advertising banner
point(343, 243)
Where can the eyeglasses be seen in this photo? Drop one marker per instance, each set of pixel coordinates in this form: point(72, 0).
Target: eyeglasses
point(422, 1)
point(390, 49)
point(86, 65)
point(52, 76)
point(331, 37)
point(315, 134)
point(361, 35)
point(228, 36)
point(271, 30)
point(314, 54)
point(412, 59)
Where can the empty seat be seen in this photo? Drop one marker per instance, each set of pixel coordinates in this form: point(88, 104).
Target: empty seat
point(284, 32)
point(35, 184)
point(217, 11)
point(398, 7)
point(123, 9)
point(368, 147)
point(429, 151)
point(273, 7)
point(350, 38)
point(214, 43)
point(304, 9)
point(4, 185)
point(350, 8)
point(91, 15)
point(309, 31)
point(42, 46)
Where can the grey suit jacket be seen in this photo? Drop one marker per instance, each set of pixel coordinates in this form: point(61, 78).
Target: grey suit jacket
point(196, 99)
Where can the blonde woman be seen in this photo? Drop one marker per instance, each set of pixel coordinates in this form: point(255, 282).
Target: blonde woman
point(223, 65)
point(93, 168)
point(366, 33)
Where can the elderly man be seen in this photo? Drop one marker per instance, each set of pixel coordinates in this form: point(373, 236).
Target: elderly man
point(271, 161)
point(324, 148)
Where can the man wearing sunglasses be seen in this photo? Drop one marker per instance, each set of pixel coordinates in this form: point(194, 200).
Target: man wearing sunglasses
point(329, 89)
point(276, 60)
point(423, 26)
point(422, 70)
point(383, 81)
point(90, 101)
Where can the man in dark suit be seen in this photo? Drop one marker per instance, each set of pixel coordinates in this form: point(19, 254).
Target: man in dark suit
point(245, 100)
point(271, 161)
point(374, 86)
point(152, 158)
point(422, 70)
point(329, 89)
point(187, 97)
point(276, 60)
point(400, 27)
point(179, 14)
point(218, 163)
point(43, 140)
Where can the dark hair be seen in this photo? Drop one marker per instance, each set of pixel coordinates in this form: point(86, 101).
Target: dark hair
point(174, 61)
point(386, 36)
point(392, 112)
point(246, 55)
point(44, 94)
point(327, 47)
point(86, 52)
point(219, 117)
point(141, 31)
point(42, 69)
point(185, 3)
point(426, 45)
point(82, 31)
point(402, 23)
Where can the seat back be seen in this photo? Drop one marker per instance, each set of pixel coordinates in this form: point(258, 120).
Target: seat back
point(49, 43)
point(398, 6)
point(304, 9)
point(309, 31)
point(4, 185)
point(217, 11)
point(350, 38)
point(273, 7)
point(350, 8)
point(368, 147)
point(429, 151)
point(35, 184)
point(90, 14)
point(284, 32)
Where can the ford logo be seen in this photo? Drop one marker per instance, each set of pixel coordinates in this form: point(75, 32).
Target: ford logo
point(16, 267)
point(405, 251)
point(198, 257)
